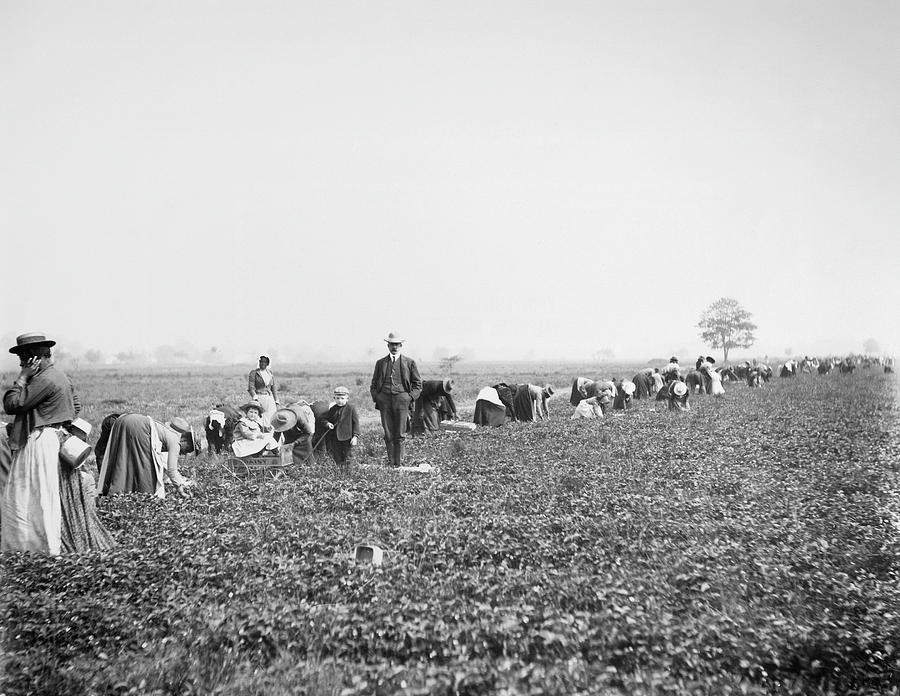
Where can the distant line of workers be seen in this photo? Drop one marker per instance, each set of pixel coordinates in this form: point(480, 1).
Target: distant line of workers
point(497, 404)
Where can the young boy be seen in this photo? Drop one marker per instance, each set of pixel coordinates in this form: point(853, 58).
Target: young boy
point(342, 422)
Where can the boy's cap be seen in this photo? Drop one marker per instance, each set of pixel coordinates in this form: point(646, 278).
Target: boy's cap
point(341, 391)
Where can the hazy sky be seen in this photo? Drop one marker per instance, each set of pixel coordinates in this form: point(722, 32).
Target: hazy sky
point(507, 179)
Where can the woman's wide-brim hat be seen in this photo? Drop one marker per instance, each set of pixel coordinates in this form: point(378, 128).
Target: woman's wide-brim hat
point(253, 404)
point(284, 419)
point(31, 340)
point(710, 359)
point(180, 425)
point(393, 337)
point(679, 389)
point(81, 428)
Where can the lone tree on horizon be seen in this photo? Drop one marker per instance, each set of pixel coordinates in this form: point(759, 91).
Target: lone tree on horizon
point(726, 324)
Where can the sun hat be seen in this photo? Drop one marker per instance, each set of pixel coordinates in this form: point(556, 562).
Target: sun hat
point(179, 425)
point(710, 359)
point(393, 337)
point(253, 403)
point(341, 391)
point(80, 428)
point(673, 359)
point(679, 388)
point(284, 419)
point(31, 340)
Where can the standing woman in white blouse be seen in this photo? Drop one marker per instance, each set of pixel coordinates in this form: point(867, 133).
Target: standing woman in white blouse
point(261, 387)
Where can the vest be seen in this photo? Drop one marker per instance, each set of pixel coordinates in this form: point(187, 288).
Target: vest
point(393, 385)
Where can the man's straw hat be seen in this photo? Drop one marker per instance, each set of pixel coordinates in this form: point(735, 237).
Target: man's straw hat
point(31, 340)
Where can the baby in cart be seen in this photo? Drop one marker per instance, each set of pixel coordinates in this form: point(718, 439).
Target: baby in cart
point(252, 435)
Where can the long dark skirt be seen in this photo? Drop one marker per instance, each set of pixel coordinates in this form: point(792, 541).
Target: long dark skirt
point(642, 382)
point(523, 403)
point(622, 401)
point(489, 414)
point(507, 394)
point(131, 466)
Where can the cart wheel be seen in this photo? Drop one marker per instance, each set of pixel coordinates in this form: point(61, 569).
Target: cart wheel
point(236, 467)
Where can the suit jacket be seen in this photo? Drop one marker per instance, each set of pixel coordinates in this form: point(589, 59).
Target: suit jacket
point(409, 377)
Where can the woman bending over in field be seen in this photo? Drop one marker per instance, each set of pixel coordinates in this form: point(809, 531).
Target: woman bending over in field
point(142, 453)
point(489, 409)
point(676, 395)
point(531, 402)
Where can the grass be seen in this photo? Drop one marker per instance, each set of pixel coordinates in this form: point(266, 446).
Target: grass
point(747, 546)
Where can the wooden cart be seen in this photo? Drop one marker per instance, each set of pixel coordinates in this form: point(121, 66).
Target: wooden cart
point(267, 466)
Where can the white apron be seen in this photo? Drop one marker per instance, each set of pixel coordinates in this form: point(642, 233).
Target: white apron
point(31, 510)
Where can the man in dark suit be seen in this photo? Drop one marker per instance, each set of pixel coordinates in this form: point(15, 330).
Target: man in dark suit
point(396, 385)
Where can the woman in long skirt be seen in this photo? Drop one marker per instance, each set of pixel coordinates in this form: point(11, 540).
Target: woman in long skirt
point(42, 401)
point(489, 409)
point(261, 387)
point(81, 529)
point(142, 454)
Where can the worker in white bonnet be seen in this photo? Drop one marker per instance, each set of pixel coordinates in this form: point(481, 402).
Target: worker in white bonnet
point(676, 395)
point(261, 388)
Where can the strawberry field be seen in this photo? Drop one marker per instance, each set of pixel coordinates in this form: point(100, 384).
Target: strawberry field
point(748, 546)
